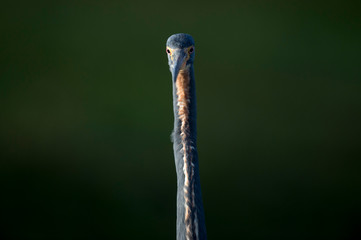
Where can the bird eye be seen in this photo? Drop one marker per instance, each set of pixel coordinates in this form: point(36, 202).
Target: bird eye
point(191, 50)
point(168, 51)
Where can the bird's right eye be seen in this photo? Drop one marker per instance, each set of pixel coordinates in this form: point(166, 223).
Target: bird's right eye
point(168, 51)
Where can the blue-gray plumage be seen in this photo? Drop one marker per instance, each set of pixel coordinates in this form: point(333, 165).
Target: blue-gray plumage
point(190, 214)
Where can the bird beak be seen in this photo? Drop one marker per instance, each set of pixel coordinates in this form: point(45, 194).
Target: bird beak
point(178, 61)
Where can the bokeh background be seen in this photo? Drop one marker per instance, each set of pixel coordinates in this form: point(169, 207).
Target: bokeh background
point(86, 117)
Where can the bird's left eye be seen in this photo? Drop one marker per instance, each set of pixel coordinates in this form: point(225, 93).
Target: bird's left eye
point(168, 51)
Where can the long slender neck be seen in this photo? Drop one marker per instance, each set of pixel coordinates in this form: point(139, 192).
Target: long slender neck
point(190, 213)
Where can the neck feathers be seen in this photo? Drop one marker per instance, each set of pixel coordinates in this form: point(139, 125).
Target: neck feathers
point(190, 214)
point(183, 103)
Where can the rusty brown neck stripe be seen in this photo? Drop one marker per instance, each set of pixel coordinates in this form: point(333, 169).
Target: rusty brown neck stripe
point(183, 103)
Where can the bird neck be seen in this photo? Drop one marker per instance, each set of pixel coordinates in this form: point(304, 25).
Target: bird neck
point(190, 214)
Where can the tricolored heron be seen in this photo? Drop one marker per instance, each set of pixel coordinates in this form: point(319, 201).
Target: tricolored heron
point(190, 214)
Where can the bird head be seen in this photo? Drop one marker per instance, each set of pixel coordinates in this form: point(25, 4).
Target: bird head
point(180, 50)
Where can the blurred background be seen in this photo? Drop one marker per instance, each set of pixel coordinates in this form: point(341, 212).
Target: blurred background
point(86, 117)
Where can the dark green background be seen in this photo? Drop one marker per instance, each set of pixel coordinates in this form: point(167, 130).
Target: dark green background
point(86, 115)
